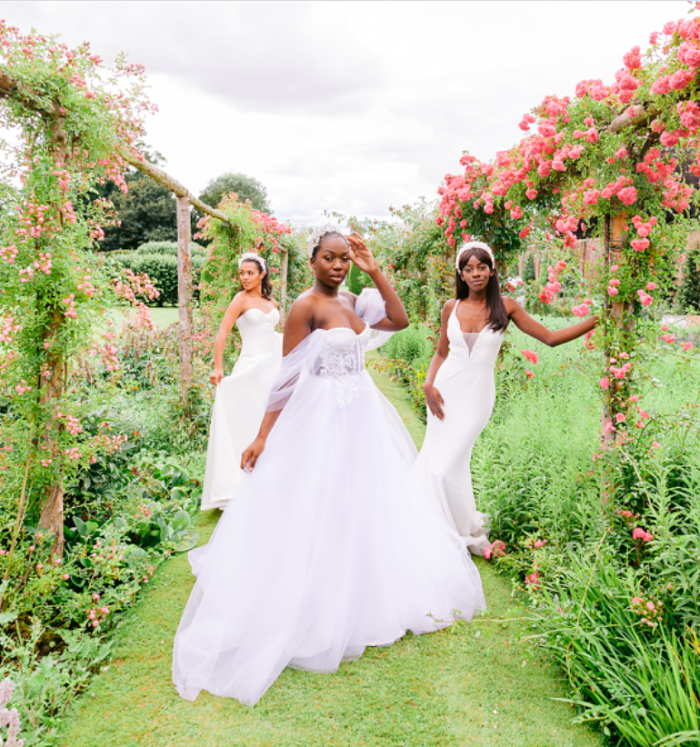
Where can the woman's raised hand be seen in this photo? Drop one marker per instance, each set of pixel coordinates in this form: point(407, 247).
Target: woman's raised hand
point(361, 255)
point(216, 376)
point(434, 401)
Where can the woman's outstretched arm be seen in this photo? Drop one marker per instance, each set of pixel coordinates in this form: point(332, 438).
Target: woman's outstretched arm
point(232, 313)
point(524, 322)
point(396, 316)
point(433, 398)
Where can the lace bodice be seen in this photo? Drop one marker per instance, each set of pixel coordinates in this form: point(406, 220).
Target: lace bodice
point(337, 354)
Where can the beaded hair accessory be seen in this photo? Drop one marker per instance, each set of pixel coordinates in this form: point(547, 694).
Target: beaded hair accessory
point(475, 245)
point(318, 234)
point(248, 256)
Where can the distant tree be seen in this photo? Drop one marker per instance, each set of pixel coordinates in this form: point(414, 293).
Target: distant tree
point(689, 294)
point(145, 213)
point(246, 187)
point(529, 269)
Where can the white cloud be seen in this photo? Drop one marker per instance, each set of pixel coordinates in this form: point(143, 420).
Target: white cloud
point(349, 106)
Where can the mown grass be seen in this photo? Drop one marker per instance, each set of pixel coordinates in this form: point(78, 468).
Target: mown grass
point(472, 684)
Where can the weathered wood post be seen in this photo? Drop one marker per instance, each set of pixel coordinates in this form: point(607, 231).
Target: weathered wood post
point(184, 293)
point(618, 313)
point(51, 517)
point(283, 285)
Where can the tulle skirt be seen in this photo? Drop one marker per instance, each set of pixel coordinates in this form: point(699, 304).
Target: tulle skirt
point(324, 551)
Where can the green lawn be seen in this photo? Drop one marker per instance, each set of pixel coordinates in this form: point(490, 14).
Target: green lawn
point(471, 685)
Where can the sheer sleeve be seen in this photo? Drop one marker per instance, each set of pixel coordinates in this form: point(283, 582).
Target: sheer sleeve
point(292, 366)
point(371, 308)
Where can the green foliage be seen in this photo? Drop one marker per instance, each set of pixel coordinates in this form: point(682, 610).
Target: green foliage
point(146, 213)
point(529, 269)
point(167, 247)
point(689, 293)
point(406, 356)
point(245, 187)
point(357, 281)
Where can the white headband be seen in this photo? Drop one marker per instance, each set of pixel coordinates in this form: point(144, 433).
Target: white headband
point(318, 234)
point(248, 256)
point(475, 245)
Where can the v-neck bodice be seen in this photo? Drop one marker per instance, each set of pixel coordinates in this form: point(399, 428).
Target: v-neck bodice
point(481, 347)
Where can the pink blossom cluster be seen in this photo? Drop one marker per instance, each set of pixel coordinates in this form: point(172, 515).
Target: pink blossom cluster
point(85, 285)
point(644, 298)
point(64, 177)
point(639, 533)
point(647, 609)
point(97, 615)
point(23, 387)
point(583, 310)
point(73, 454)
point(530, 356)
point(496, 549)
point(8, 328)
point(553, 285)
point(533, 580)
point(9, 253)
point(71, 311)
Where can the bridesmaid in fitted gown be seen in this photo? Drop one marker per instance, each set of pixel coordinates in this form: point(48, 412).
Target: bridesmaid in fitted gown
point(460, 390)
point(241, 397)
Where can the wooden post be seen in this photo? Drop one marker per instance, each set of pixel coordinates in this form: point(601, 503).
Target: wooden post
point(184, 294)
point(283, 286)
point(618, 313)
point(51, 516)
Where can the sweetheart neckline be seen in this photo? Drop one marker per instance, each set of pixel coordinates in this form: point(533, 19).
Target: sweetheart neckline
point(264, 313)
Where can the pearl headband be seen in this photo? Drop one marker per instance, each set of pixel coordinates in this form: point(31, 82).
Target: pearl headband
point(317, 236)
point(248, 256)
point(475, 245)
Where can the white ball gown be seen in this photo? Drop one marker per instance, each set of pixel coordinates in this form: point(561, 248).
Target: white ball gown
point(325, 549)
point(466, 382)
point(240, 404)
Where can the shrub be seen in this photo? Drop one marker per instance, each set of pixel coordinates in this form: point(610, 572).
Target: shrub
point(167, 247)
point(689, 294)
point(358, 280)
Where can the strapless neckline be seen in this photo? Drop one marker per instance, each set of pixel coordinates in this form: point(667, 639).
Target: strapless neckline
point(264, 313)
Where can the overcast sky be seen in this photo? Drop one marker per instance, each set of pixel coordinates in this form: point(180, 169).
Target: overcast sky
point(348, 106)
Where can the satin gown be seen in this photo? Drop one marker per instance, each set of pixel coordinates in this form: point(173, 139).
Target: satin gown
point(240, 403)
point(325, 549)
point(466, 382)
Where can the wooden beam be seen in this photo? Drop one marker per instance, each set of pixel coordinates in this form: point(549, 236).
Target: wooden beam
point(169, 182)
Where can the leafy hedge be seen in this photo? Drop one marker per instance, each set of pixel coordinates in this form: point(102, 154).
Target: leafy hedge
point(167, 247)
point(162, 270)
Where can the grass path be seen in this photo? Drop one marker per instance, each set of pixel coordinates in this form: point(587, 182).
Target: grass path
point(470, 685)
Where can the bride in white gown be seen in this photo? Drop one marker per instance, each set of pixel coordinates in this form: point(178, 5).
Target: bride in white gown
point(460, 390)
point(241, 397)
point(326, 549)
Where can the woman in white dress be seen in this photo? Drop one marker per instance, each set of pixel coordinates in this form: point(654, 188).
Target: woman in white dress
point(459, 386)
point(325, 550)
point(241, 397)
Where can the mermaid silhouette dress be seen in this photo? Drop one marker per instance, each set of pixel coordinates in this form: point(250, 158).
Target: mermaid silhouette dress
point(240, 403)
point(325, 549)
point(466, 382)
